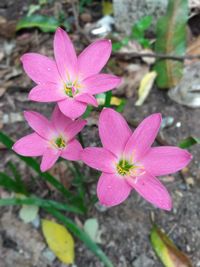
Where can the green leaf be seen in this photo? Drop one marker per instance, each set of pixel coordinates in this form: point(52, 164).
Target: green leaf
point(44, 23)
point(35, 201)
point(8, 183)
point(35, 166)
point(189, 141)
point(141, 26)
point(18, 178)
point(171, 40)
point(165, 249)
point(79, 233)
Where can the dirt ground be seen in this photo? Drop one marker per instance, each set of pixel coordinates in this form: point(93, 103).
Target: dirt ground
point(125, 228)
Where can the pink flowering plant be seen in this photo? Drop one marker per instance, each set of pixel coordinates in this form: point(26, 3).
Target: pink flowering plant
point(127, 159)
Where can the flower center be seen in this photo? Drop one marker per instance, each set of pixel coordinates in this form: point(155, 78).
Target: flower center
point(72, 88)
point(126, 168)
point(60, 142)
point(69, 89)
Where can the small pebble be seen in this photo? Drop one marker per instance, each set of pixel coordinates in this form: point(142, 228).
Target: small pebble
point(178, 124)
point(49, 255)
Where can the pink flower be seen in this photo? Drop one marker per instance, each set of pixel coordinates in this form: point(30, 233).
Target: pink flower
point(128, 161)
point(51, 139)
point(70, 80)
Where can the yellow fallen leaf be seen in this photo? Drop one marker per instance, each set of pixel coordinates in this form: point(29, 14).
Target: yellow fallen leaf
point(59, 241)
point(145, 87)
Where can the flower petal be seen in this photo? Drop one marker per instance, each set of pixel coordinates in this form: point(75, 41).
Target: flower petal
point(165, 160)
point(39, 124)
point(143, 137)
point(31, 145)
point(59, 120)
point(49, 158)
point(100, 83)
point(93, 58)
point(65, 55)
point(72, 150)
point(39, 68)
point(74, 128)
point(49, 92)
point(112, 189)
point(72, 108)
point(113, 131)
point(152, 190)
point(88, 99)
point(99, 158)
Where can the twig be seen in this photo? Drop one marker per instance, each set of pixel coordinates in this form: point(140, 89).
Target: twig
point(158, 56)
point(75, 10)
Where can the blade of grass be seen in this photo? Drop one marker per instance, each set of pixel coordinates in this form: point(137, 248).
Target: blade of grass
point(18, 178)
point(8, 183)
point(35, 166)
point(79, 233)
point(44, 203)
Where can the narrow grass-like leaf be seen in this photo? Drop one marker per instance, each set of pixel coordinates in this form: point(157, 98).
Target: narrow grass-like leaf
point(171, 40)
point(43, 203)
point(79, 233)
point(18, 178)
point(8, 183)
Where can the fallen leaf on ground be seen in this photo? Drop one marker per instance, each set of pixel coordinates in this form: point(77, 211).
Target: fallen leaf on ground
point(28, 213)
point(145, 87)
point(59, 240)
point(91, 227)
point(168, 253)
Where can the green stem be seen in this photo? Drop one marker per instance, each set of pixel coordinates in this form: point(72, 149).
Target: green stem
point(108, 98)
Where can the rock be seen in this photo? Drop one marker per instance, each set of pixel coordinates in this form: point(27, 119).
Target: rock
point(143, 260)
point(187, 92)
point(128, 12)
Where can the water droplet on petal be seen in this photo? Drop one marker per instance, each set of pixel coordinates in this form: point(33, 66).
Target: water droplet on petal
point(48, 69)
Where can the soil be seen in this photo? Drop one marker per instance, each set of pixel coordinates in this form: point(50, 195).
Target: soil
point(125, 228)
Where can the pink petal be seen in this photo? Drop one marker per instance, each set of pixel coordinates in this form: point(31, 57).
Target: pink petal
point(99, 159)
point(72, 108)
point(93, 58)
point(88, 99)
point(65, 55)
point(49, 92)
point(100, 83)
point(49, 158)
point(165, 160)
point(74, 128)
point(113, 131)
point(112, 189)
point(59, 120)
point(72, 151)
point(143, 137)
point(152, 190)
point(39, 124)
point(40, 69)
point(31, 145)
